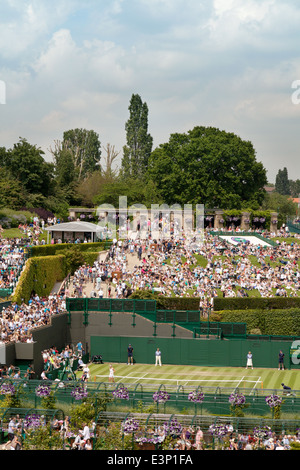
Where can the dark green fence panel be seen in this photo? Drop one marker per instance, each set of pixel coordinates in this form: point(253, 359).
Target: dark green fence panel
point(104, 305)
point(202, 352)
point(93, 304)
point(111, 305)
point(4, 293)
point(224, 329)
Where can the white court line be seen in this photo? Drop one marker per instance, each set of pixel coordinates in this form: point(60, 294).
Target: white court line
point(240, 381)
point(254, 386)
point(140, 378)
point(179, 380)
point(125, 377)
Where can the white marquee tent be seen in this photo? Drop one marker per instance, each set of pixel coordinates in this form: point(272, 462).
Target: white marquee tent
point(71, 231)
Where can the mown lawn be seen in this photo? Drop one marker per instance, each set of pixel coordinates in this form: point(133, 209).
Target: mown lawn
point(186, 375)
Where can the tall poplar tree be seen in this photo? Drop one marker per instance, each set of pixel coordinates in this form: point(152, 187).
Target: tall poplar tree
point(282, 184)
point(137, 151)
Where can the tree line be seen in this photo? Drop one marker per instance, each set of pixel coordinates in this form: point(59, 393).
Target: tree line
point(205, 165)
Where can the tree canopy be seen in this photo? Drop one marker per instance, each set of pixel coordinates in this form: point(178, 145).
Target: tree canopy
point(137, 151)
point(282, 184)
point(207, 166)
point(26, 163)
point(85, 149)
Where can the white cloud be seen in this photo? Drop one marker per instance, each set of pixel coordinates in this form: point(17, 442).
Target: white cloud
point(228, 63)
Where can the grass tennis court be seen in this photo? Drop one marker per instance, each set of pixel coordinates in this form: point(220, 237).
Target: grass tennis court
point(194, 376)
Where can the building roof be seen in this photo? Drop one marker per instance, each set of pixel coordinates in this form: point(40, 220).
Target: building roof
point(75, 227)
point(269, 189)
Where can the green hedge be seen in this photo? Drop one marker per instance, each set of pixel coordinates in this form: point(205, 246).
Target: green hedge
point(51, 250)
point(220, 303)
point(40, 275)
point(42, 272)
point(168, 303)
point(270, 322)
point(245, 303)
point(272, 316)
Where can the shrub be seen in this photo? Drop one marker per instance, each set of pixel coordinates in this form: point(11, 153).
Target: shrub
point(12, 219)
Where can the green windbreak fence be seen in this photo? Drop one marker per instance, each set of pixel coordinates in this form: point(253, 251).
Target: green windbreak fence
point(221, 329)
point(189, 319)
point(5, 293)
point(190, 351)
point(177, 316)
point(111, 305)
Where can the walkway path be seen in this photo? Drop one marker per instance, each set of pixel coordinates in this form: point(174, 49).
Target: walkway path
point(132, 261)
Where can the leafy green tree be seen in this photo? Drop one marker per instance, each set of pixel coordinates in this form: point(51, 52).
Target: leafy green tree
point(74, 259)
point(294, 187)
point(64, 165)
point(26, 163)
point(85, 148)
point(137, 151)
point(207, 166)
point(282, 184)
point(137, 191)
point(3, 156)
point(92, 186)
point(66, 181)
point(281, 204)
point(12, 192)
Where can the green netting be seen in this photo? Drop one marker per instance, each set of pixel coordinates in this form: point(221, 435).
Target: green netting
point(4, 293)
point(111, 305)
point(221, 328)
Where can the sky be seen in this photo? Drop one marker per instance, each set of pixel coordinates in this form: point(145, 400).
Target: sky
point(230, 64)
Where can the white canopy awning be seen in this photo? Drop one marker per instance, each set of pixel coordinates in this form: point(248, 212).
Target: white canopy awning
point(75, 227)
point(72, 230)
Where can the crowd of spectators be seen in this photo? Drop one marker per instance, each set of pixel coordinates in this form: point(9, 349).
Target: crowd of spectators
point(180, 267)
point(12, 258)
point(173, 267)
point(18, 321)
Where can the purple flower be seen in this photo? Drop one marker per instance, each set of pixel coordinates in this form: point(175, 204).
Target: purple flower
point(121, 392)
point(130, 426)
point(237, 399)
point(196, 397)
point(141, 440)
point(161, 397)
point(33, 421)
point(7, 389)
point(174, 428)
point(262, 433)
point(273, 400)
point(43, 391)
point(218, 430)
point(79, 393)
